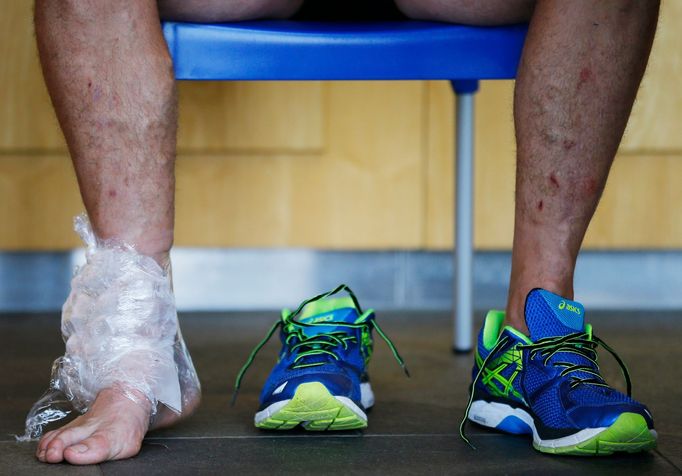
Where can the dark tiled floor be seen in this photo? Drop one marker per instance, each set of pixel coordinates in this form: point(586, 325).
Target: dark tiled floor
point(413, 429)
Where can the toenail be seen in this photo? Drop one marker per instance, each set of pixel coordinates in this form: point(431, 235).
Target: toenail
point(79, 448)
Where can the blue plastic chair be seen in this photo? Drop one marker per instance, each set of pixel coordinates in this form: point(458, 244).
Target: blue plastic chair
point(294, 50)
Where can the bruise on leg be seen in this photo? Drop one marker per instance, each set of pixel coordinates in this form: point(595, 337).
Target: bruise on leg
point(585, 76)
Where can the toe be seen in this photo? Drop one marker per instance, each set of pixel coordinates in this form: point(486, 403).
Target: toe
point(45, 440)
point(40, 454)
point(41, 450)
point(94, 449)
point(55, 448)
point(54, 454)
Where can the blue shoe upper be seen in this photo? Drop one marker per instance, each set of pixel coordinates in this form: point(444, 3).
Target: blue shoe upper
point(326, 340)
point(316, 348)
point(561, 379)
point(553, 374)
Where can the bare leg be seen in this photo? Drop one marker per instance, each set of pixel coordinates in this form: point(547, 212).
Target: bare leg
point(116, 105)
point(579, 74)
point(109, 75)
point(581, 67)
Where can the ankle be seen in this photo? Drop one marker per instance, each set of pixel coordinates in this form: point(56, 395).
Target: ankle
point(150, 236)
point(514, 318)
point(518, 291)
point(156, 245)
point(162, 258)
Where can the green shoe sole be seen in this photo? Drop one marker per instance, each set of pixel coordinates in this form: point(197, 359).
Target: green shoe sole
point(629, 433)
point(315, 409)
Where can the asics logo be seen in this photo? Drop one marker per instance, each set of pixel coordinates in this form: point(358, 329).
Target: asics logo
point(569, 307)
point(315, 320)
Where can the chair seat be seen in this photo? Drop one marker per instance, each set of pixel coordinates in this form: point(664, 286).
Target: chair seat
point(294, 50)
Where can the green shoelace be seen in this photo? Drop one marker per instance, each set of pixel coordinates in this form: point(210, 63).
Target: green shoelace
point(580, 343)
point(322, 343)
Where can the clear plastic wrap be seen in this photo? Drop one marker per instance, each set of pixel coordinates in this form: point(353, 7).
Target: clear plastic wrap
point(121, 331)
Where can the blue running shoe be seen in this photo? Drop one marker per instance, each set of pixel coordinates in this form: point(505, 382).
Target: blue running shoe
point(320, 380)
point(549, 385)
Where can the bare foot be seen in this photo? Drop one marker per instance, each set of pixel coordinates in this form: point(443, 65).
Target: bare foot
point(113, 428)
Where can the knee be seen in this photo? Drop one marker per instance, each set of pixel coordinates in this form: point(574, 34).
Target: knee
point(415, 9)
point(217, 10)
point(277, 8)
point(471, 12)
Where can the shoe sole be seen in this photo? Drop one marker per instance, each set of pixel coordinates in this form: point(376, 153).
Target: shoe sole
point(629, 433)
point(315, 409)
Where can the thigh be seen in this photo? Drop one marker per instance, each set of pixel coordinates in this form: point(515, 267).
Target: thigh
point(226, 10)
point(469, 12)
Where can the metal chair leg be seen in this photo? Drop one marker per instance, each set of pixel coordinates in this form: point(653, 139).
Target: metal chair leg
point(464, 178)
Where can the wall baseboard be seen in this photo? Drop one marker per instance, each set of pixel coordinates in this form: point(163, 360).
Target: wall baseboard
point(241, 279)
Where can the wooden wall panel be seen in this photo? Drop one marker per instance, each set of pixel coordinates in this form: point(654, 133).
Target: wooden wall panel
point(348, 196)
point(439, 218)
point(641, 206)
point(656, 122)
point(27, 121)
point(251, 117)
point(38, 200)
point(238, 201)
point(375, 185)
point(494, 166)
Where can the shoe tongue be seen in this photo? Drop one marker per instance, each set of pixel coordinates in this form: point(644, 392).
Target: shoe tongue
point(323, 313)
point(550, 315)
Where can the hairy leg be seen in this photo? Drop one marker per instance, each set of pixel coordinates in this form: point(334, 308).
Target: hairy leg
point(110, 78)
point(579, 73)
